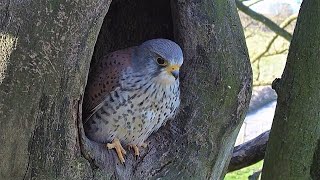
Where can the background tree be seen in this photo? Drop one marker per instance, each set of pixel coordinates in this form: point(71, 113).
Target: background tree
point(272, 35)
point(45, 56)
point(294, 148)
point(268, 36)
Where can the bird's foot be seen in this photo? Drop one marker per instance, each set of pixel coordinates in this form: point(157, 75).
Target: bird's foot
point(119, 149)
point(136, 148)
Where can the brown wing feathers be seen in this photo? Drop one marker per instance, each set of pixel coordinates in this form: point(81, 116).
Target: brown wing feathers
point(105, 78)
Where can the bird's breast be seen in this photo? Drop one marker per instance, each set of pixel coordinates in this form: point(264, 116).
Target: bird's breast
point(132, 115)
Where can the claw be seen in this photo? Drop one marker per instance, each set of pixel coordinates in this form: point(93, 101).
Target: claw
point(119, 149)
point(136, 148)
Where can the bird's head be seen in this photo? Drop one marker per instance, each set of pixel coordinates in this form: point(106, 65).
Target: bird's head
point(159, 58)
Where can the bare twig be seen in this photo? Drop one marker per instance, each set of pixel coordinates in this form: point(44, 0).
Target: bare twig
point(266, 21)
point(258, 70)
point(284, 24)
point(249, 35)
point(260, 55)
point(255, 2)
point(276, 53)
point(246, 26)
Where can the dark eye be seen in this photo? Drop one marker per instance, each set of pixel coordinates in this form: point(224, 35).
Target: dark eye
point(161, 61)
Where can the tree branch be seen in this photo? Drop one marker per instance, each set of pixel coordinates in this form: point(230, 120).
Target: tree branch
point(276, 53)
point(249, 152)
point(253, 3)
point(260, 55)
point(266, 21)
point(284, 24)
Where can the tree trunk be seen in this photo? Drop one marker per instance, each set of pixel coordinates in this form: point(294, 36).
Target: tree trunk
point(47, 50)
point(294, 146)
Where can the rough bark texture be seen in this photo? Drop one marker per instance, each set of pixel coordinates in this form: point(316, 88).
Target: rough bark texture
point(216, 82)
point(47, 47)
point(249, 152)
point(47, 56)
point(293, 148)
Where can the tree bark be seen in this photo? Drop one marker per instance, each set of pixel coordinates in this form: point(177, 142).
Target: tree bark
point(293, 148)
point(47, 51)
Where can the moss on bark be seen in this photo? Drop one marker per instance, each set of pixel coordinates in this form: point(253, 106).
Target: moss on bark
point(295, 131)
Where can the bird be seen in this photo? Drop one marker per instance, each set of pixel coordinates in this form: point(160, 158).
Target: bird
point(132, 93)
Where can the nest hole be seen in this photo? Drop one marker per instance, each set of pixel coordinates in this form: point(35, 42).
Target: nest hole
point(127, 23)
point(131, 22)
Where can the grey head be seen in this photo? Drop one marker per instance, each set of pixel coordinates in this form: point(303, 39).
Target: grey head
point(159, 58)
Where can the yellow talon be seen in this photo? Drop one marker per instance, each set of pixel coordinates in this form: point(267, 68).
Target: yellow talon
point(136, 148)
point(119, 149)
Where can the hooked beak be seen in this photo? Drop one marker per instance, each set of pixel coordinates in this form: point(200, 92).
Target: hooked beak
point(175, 74)
point(173, 70)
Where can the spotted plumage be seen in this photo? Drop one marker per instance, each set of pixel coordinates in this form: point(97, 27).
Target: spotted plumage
point(132, 93)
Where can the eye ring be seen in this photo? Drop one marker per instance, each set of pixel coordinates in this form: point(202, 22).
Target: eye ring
point(161, 61)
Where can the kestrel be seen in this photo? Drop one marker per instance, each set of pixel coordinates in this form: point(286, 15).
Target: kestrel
point(132, 93)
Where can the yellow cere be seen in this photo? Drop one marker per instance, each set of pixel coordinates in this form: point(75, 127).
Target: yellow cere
point(174, 67)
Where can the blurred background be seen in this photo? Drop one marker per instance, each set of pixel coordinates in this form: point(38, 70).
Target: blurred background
point(268, 26)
